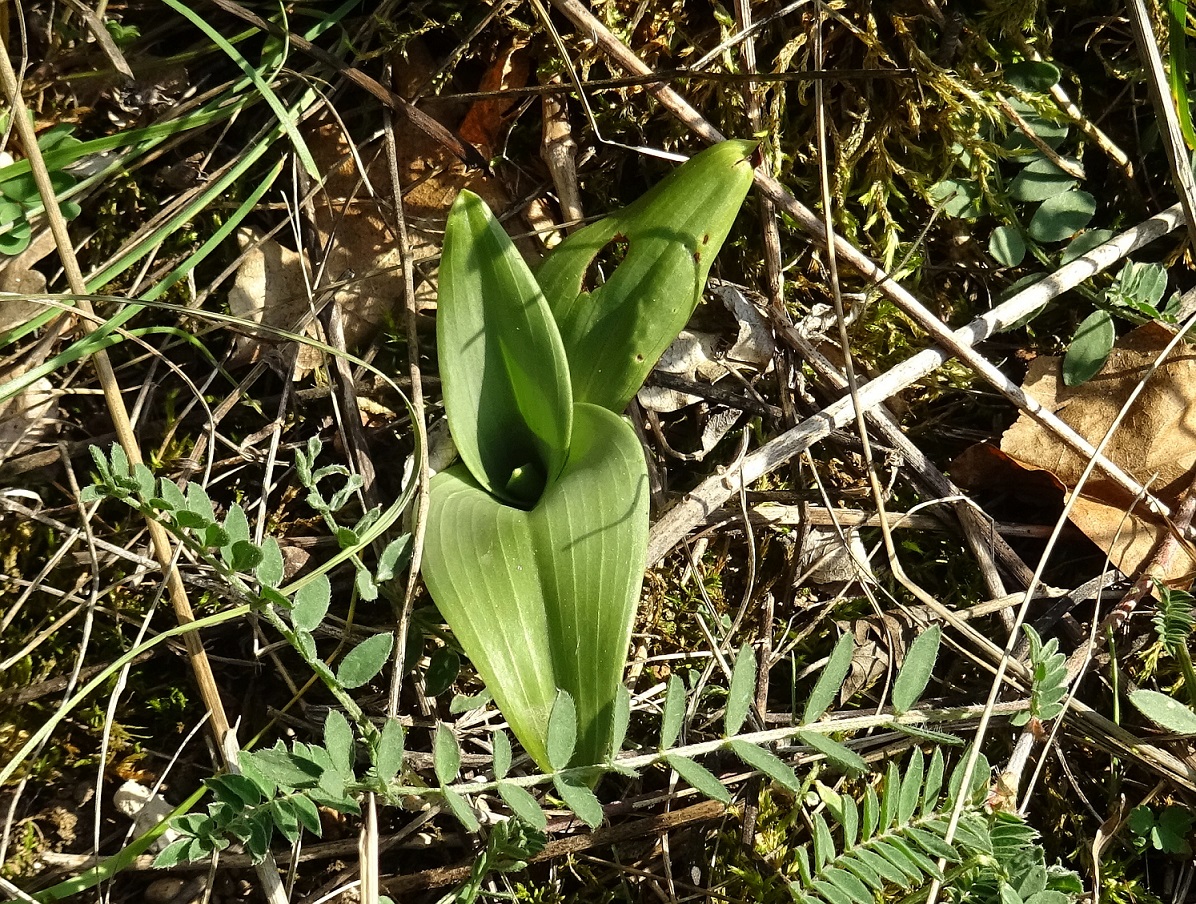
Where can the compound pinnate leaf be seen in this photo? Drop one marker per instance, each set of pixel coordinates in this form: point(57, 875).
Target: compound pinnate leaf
point(830, 680)
point(915, 671)
point(743, 686)
point(365, 660)
point(1089, 349)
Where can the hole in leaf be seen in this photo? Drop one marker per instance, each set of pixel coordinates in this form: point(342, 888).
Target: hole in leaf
point(605, 262)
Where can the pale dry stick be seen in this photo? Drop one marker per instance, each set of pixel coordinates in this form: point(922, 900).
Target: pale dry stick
point(419, 511)
point(959, 343)
point(159, 537)
point(1165, 113)
point(1072, 169)
point(558, 150)
point(1007, 656)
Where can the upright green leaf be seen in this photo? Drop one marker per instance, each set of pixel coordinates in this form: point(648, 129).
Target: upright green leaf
point(502, 365)
point(614, 333)
point(830, 680)
point(311, 603)
point(743, 686)
point(562, 731)
point(390, 751)
point(446, 754)
point(338, 741)
point(915, 671)
point(673, 712)
point(502, 753)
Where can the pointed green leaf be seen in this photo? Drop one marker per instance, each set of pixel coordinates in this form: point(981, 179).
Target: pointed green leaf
point(1163, 710)
point(673, 712)
point(933, 845)
point(882, 867)
point(871, 814)
point(523, 805)
point(862, 870)
point(365, 660)
point(888, 800)
point(502, 364)
point(621, 718)
point(1089, 348)
point(446, 754)
point(824, 843)
point(311, 603)
point(915, 671)
point(580, 799)
point(390, 751)
point(911, 787)
point(502, 753)
point(460, 808)
point(850, 820)
point(308, 815)
point(915, 855)
point(849, 885)
point(934, 782)
point(562, 731)
point(767, 762)
point(830, 680)
point(743, 687)
point(698, 776)
point(929, 734)
point(545, 599)
point(845, 759)
point(615, 333)
point(831, 892)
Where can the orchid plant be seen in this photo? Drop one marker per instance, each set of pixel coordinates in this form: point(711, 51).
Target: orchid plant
point(537, 539)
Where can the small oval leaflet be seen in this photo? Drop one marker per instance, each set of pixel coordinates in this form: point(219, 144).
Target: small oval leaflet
point(365, 660)
point(562, 731)
point(1164, 711)
point(739, 695)
point(915, 672)
point(1089, 349)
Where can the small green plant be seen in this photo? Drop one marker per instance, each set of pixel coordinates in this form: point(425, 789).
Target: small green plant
point(536, 541)
point(1049, 685)
point(19, 197)
point(1173, 624)
point(1167, 830)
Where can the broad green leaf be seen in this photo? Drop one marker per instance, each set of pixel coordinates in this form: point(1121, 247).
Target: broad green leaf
point(562, 731)
point(767, 762)
point(1164, 711)
point(614, 333)
point(1032, 75)
point(502, 364)
point(699, 777)
point(580, 800)
point(1083, 243)
point(1061, 216)
point(338, 741)
point(365, 660)
point(673, 713)
point(523, 805)
point(957, 198)
point(446, 754)
point(915, 671)
point(271, 569)
point(1039, 180)
point(830, 680)
point(845, 759)
point(1089, 349)
point(743, 686)
point(1007, 246)
point(311, 603)
point(390, 751)
point(545, 598)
